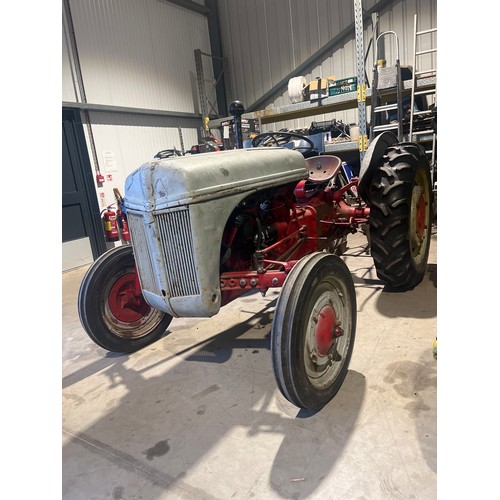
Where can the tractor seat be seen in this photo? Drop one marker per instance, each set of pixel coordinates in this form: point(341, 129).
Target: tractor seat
point(322, 168)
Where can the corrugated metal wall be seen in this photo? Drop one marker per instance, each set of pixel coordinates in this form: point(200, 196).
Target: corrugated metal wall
point(140, 53)
point(137, 54)
point(264, 40)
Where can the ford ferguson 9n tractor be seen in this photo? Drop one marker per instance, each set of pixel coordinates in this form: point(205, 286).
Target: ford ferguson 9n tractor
point(207, 228)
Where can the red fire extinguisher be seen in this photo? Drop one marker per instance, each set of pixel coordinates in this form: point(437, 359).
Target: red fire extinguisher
point(110, 225)
point(121, 215)
point(123, 224)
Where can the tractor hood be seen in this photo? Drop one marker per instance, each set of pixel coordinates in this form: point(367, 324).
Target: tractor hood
point(177, 209)
point(191, 179)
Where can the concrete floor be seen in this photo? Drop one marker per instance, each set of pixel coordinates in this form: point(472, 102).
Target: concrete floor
point(197, 415)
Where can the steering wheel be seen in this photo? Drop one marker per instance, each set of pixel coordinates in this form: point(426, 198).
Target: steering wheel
point(167, 153)
point(279, 138)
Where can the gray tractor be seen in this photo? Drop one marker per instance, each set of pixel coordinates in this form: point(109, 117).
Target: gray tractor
point(208, 228)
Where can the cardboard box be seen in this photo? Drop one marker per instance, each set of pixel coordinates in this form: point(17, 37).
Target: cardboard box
point(319, 88)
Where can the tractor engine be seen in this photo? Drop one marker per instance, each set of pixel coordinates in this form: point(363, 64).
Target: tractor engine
point(192, 217)
point(268, 217)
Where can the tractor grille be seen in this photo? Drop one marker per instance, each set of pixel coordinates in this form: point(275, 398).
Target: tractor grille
point(176, 247)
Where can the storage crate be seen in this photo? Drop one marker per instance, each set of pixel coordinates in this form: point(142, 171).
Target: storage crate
point(341, 86)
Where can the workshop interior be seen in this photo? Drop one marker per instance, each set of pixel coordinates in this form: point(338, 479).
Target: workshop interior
point(249, 249)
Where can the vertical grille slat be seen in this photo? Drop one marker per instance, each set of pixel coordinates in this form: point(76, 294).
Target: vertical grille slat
point(139, 241)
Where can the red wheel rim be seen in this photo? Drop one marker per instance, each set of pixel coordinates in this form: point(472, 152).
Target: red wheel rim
point(124, 304)
point(421, 212)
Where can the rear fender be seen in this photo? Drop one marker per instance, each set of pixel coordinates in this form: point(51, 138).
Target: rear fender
point(371, 161)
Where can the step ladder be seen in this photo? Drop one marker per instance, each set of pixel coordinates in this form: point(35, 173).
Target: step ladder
point(386, 82)
point(420, 73)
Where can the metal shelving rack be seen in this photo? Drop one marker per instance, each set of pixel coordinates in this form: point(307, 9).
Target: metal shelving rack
point(330, 104)
point(341, 102)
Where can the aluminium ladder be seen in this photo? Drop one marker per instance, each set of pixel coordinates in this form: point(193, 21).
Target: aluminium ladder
point(386, 80)
point(419, 74)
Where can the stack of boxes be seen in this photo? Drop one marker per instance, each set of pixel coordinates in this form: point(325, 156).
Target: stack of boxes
point(325, 87)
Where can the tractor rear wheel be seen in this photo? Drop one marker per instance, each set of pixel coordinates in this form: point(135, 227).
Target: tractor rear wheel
point(400, 217)
point(111, 312)
point(313, 329)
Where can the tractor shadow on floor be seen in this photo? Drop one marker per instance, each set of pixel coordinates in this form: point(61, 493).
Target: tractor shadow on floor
point(168, 410)
point(421, 302)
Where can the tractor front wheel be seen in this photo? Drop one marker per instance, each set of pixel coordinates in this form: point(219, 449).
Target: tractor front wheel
point(112, 311)
point(400, 217)
point(313, 329)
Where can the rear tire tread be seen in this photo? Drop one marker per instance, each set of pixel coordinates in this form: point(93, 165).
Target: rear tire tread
point(390, 198)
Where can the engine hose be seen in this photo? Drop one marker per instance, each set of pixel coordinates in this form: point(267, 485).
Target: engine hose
point(259, 234)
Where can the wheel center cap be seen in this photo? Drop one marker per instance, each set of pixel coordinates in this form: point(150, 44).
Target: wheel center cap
point(419, 212)
point(122, 302)
point(325, 331)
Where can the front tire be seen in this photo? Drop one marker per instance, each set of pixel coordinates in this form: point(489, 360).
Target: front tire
point(111, 314)
point(313, 330)
point(400, 217)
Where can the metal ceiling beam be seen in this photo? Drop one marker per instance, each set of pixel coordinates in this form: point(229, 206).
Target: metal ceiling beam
point(218, 55)
point(347, 33)
point(192, 6)
point(129, 110)
point(211, 11)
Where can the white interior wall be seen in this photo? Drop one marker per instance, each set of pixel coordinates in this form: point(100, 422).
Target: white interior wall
point(130, 141)
point(137, 54)
point(265, 40)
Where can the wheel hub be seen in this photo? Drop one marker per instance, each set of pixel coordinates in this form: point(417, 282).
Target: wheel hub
point(124, 304)
point(421, 211)
point(326, 331)
point(419, 217)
